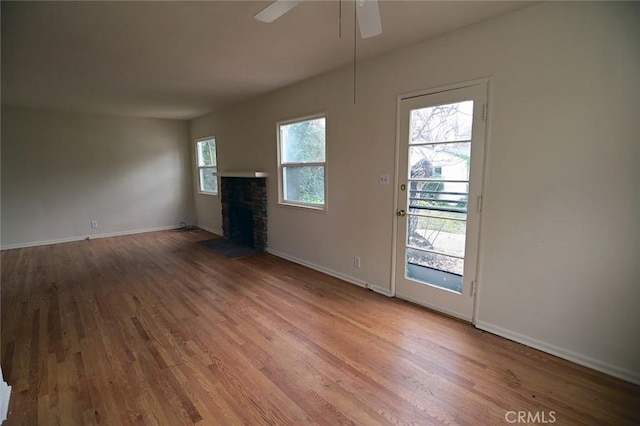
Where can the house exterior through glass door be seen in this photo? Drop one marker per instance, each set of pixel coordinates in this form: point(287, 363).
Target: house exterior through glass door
point(441, 150)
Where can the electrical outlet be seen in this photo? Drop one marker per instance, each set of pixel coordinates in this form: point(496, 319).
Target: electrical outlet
point(94, 224)
point(356, 261)
point(385, 179)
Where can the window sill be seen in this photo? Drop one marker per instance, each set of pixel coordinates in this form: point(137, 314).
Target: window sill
point(214, 194)
point(310, 207)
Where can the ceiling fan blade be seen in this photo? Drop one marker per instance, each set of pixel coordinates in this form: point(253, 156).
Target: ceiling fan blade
point(275, 10)
point(368, 12)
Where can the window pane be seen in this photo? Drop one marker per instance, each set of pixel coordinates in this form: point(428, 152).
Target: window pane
point(442, 123)
point(442, 235)
point(208, 180)
point(304, 184)
point(303, 142)
point(435, 261)
point(207, 153)
point(435, 277)
point(448, 161)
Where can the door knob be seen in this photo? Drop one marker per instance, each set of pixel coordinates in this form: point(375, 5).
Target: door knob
point(401, 213)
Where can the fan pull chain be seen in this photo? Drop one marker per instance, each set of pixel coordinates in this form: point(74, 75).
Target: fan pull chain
point(355, 38)
point(339, 18)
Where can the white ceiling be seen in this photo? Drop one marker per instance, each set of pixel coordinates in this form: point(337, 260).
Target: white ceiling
point(185, 59)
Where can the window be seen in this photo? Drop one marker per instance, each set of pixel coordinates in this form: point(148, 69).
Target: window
point(207, 166)
point(302, 161)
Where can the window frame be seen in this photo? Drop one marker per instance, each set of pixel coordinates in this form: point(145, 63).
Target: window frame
point(281, 165)
point(199, 167)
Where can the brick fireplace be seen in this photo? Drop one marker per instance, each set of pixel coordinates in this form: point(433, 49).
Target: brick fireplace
point(244, 209)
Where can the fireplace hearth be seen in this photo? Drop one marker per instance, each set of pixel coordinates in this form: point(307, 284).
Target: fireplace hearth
point(244, 210)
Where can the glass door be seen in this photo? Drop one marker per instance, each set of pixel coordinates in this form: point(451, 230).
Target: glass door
point(441, 159)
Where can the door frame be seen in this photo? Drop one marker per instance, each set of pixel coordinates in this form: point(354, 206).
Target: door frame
point(396, 189)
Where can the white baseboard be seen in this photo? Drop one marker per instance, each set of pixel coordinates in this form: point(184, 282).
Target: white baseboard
point(212, 230)
point(84, 237)
point(331, 272)
point(604, 367)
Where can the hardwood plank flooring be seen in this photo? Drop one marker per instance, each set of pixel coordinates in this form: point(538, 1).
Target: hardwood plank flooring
point(155, 329)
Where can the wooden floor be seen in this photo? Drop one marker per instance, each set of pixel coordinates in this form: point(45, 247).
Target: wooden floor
point(157, 329)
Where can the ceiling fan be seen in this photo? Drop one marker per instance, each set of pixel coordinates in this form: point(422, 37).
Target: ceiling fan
point(367, 11)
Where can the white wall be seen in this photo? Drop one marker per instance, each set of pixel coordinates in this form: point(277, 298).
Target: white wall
point(61, 170)
point(560, 238)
